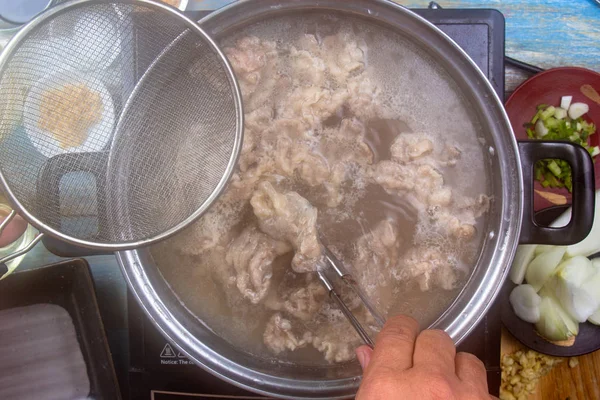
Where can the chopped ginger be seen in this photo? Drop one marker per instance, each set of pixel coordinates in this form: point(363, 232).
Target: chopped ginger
point(68, 112)
point(521, 372)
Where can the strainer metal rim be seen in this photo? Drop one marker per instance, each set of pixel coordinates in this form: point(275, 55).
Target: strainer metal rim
point(16, 40)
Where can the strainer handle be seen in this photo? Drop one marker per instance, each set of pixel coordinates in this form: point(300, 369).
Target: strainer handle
point(49, 181)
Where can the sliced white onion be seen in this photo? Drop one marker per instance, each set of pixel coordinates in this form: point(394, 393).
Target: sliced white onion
point(523, 257)
point(576, 110)
point(543, 266)
point(560, 113)
point(565, 102)
point(568, 285)
point(526, 303)
point(540, 129)
point(595, 317)
point(554, 323)
point(542, 248)
point(591, 289)
point(591, 244)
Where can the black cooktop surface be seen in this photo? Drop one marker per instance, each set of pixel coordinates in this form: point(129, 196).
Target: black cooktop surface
point(158, 371)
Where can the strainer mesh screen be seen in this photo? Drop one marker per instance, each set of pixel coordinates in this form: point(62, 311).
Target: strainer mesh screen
point(118, 122)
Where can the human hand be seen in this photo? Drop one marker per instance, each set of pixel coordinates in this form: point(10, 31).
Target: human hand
point(406, 364)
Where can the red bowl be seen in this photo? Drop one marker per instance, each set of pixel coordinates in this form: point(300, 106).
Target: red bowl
point(547, 88)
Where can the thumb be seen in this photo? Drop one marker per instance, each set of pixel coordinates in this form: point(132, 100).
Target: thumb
point(363, 353)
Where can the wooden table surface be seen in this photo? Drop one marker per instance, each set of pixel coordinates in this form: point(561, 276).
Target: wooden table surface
point(563, 382)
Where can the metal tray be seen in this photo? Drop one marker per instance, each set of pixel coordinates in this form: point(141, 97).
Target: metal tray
point(69, 285)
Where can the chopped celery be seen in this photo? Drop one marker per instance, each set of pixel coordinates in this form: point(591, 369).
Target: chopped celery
point(550, 123)
point(536, 117)
point(547, 113)
point(569, 183)
point(554, 168)
point(583, 135)
point(539, 173)
point(554, 183)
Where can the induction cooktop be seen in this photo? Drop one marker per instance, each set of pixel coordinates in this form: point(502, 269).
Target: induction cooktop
point(158, 371)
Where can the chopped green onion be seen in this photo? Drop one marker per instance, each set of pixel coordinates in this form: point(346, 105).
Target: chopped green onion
point(551, 123)
point(547, 113)
point(554, 168)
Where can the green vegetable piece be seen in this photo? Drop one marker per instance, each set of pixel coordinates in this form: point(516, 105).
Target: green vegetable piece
point(539, 174)
point(554, 183)
point(551, 123)
point(554, 168)
point(547, 113)
point(584, 135)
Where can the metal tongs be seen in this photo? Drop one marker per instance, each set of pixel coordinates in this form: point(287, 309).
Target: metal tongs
point(339, 269)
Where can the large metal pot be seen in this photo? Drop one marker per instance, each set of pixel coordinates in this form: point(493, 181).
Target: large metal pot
point(509, 221)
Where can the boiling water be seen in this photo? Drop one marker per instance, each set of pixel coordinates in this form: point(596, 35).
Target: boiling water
point(422, 98)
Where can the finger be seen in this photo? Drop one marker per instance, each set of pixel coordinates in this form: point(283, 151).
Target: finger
point(435, 349)
point(394, 345)
point(363, 353)
point(471, 371)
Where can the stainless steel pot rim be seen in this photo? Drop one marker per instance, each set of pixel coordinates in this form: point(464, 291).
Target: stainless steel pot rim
point(501, 242)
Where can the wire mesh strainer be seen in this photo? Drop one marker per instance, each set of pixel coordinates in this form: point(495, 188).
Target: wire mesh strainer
point(121, 122)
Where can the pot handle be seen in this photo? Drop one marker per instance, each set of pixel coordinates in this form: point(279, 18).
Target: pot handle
point(582, 170)
point(49, 182)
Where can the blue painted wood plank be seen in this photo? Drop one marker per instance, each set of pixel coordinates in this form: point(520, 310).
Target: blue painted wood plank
point(547, 33)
